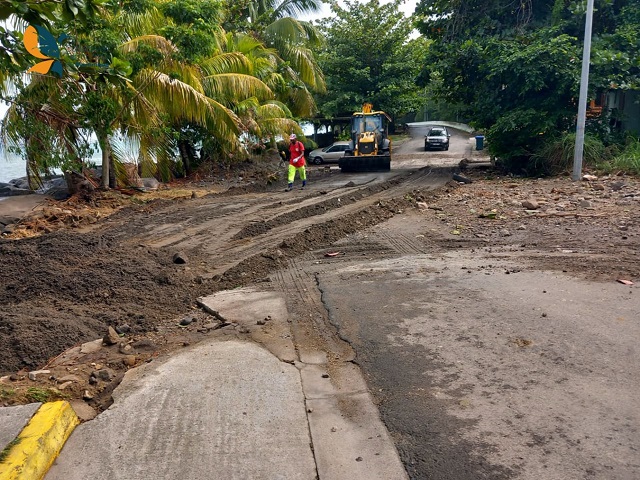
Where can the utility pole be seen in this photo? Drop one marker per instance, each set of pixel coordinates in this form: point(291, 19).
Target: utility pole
point(584, 90)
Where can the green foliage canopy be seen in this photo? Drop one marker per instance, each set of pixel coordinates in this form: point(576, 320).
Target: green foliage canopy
point(369, 57)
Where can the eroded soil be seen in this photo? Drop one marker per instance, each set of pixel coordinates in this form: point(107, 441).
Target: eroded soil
point(115, 265)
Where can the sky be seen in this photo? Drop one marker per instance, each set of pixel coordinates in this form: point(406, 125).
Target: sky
point(407, 7)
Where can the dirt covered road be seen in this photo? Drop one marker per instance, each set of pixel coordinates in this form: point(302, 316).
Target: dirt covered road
point(141, 270)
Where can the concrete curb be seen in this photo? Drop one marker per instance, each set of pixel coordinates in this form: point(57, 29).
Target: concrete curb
point(39, 443)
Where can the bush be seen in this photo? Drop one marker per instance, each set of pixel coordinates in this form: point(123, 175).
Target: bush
point(556, 156)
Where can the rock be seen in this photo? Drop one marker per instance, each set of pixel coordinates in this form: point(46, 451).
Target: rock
point(422, 205)
point(150, 183)
point(530, 204)
point(34, 374)
point(92, 380)
point(105, 374)
point(179, 258)
point(124, 328)
point(87, 395)
point(64, 385)
point(9, 229)
point(617, 186)
point(521, 227)
point(144, 345)
point(129, 360)
point(260, 322)
point(126, 349)
point(359, 459)
point(585, 204)
point(112, 337)
point(14, 378)
point(91, 347)
point(598, 186)
point(208, 326)
point(350, 184)
point(459, 178)
point(186, 321)
point(194, 194)
point(83, 411)
point(589, 178)
point(505, 233)
point(12, 191)
point(69, 378)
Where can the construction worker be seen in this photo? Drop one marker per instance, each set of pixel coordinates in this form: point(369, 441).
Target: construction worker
point(296, 161)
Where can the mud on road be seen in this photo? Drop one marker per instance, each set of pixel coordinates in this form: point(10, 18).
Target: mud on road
point(64, 288)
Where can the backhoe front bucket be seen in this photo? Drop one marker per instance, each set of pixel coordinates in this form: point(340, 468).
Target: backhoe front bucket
point(365, 163)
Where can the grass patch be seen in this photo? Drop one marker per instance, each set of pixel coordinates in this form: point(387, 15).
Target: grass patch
point(6, 393)
point(5, 451)
point(628, 161)
point(556, 156)
point(44, 395)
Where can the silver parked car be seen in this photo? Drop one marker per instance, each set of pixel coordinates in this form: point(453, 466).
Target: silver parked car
point(438, 137)
point(330, 154)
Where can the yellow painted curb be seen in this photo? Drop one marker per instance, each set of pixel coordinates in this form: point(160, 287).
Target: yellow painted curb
point(40, 442)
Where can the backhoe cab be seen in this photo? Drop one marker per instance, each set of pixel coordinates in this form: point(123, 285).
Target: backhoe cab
point(370, 147)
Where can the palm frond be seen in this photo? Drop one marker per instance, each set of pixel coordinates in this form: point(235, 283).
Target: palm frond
point(141, 23)
point(158, 42)
point(297, 7)
point(229, 62)
point(236, 86)
point(272, 110)
point(303, 63)
point(181, 101)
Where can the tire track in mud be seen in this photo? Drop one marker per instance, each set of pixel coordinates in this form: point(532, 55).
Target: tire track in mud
point(313, 335)
point(206, 235)
point(401, 243)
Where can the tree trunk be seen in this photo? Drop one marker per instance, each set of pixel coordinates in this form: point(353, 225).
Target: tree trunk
point(188, 156)
point(112, 172)
point(103, 140)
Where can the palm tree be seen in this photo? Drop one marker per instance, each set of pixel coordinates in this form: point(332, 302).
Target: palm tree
point(273, 23)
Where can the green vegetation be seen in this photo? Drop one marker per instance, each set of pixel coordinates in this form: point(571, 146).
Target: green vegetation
point(515, 69)
point(162, 77)
point(43, 395)
point(174, 84)
point(627, 161)
point(5, 451)
point(556, 156)
point(6, 392)
point(368, 57)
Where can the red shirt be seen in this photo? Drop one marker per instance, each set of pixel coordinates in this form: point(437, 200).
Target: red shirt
point(296, 150)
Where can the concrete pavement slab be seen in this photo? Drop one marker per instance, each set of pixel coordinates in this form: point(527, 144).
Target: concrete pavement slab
point(225, 410)
point(13, 420)
point(247, 307)
point(349, 438)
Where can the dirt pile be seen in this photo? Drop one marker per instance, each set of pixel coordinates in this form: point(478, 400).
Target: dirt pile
point(64, 288)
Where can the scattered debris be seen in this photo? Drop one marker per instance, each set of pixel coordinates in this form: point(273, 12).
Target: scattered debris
point(625, 282)
point(179, 258)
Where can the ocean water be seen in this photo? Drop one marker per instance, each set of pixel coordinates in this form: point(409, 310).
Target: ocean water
point(11, 167)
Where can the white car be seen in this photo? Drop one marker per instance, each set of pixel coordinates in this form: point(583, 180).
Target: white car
point(330, 154)
point(438, 137)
